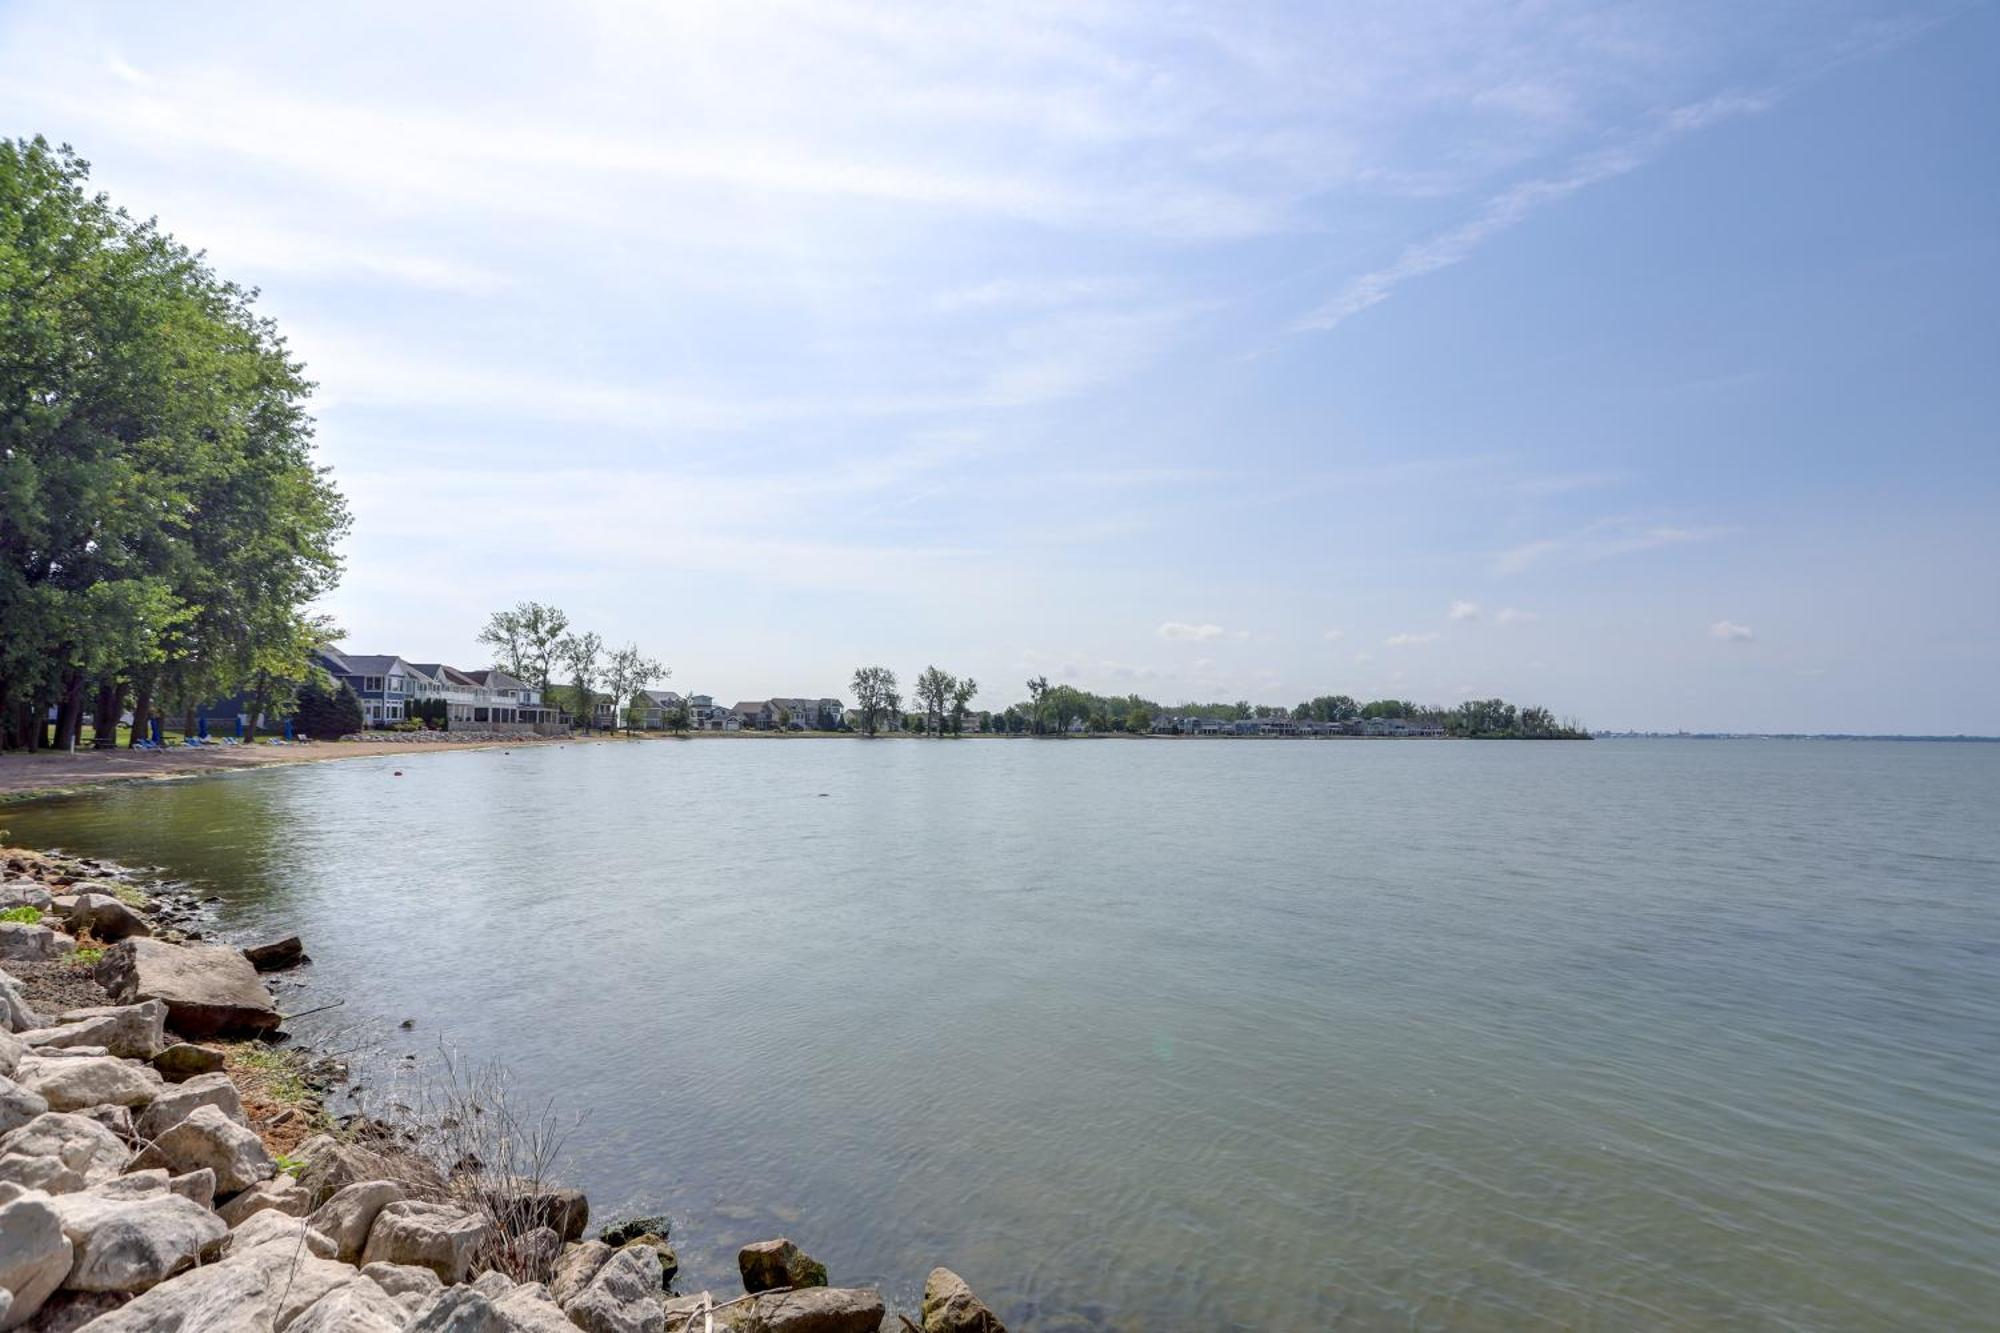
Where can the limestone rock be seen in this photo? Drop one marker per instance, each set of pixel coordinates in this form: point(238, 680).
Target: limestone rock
point(264, 1288)
point(271, 1227)
point(535, 1251)
point(537, 1203)
point(70, 1311)
point(12, 1048)
point(16, 1015)
point(277, 954)
point(182, 1061)
point(23, 943)
point(575, 1267)
point(346, 1218)
point(208, 989)
point(357, 1307)
point(117, 1119)
point(409, 1284)
point(25, 893)
point(176, 1102)
point(778, 1263)
point(523, 1309)
point(663, 1254)
point(617, 1233)
point(198, 1185)
point(280, 1193)
point(35, 1255)
point(444, 1239)
point(106, 917)
point(129, 1031)
point(206, 1137)
point(70, 1082)
point(623, 1297)
point(18, 1105)
point(128, 1243)
point(950, 1306)
point(328, 1166)
point(59, 1153)
point(810, 1310)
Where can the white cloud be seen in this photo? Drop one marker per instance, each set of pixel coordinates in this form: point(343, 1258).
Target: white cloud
point(1462, 610)
point(1408, 639)
point(1731, 632)
point(1183, 632)
point(1513, 615)
point(1605, 538)
point(1334, 635)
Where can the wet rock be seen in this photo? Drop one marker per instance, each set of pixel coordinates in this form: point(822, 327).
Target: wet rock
point(279, 1194)
point(778, 1263)
point(208, 1138)
point(18, 1105)
point(444, 1239)
point(623, 1297)
point(23, 943)
point(128, 1241)
point(69, 1082)
point(182, 1061)
point(950, 1306)
point(616, 1234)
point(105, 917)
point(176, 1102)
point(347, 1217)
point(35, 1255)
point(208, 989)
point(57, 1153)
point(277, 954)
point(129, 1031)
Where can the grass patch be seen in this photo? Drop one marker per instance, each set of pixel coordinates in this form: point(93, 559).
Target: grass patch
point(128, 895)
point(27, 916)
point(88, 956)
point(273, 1080)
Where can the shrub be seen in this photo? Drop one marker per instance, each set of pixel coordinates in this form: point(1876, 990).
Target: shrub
point(27, 916)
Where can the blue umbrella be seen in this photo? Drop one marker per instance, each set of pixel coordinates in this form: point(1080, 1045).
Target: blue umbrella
point(288, 728)
point(202, 727)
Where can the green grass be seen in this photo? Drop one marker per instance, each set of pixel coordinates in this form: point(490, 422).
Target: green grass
point(128, 895)
point(280, 1072)
point(27, 916)
point(291, 1166)
point(89, 956)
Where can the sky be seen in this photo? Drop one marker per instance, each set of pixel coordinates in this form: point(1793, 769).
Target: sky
point(1639, 360)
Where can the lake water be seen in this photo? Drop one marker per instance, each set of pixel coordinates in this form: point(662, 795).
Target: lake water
point(1199, 1035)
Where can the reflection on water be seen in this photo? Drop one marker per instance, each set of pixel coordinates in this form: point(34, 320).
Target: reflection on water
point(1200, 1035)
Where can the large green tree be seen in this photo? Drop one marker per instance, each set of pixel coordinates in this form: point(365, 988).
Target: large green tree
point(163, 525)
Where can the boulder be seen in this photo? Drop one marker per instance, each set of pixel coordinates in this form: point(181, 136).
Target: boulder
point(128, 1239)
point(208, 989)
point(208, 1138)
point(809, 1310)
point(272, 1227)
point(129, 1031)
point(35, 1255)
point(18, 1105)
point(778, 1263)
point(23, 943)
point(623, 1297)
point(16, 1015)
point(358, 1307)
point(280, 1193)
point(69, 1082)
point(105, 917)
point(327, 1166)
point(117, 1119)
point(277, 954)
point(534, 1252)
point(177, 1102)
point(59, 1153)
point(197, 1185)
point(264, 1288)
point(536, 1203)
point(346, 1218)
point(617, 1233)
point(950, 1306)
point(410, 1285)
point(25, 893)
point(523, 1309)
point(70, 1311)
point(575, 1267)
point(12, 1048)
point(663, 1254)
point(182, 1061)
point(439, 1237)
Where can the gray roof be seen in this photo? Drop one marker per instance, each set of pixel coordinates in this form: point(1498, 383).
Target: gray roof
point(366, 664)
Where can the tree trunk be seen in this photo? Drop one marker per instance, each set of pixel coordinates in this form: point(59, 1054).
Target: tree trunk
point(110, 694)
point(142, 713)
point(67, 709)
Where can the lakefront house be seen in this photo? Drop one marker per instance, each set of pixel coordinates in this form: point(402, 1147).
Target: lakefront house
point(487, 700)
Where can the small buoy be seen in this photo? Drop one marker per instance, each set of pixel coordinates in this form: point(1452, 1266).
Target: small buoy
point(399, 773)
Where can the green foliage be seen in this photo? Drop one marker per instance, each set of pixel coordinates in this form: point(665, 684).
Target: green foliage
point(162, 521)
point(325, 713)
point(875, 696)
point(90, 955)
point(527, 641)
point(434, 714)
point(27, 916)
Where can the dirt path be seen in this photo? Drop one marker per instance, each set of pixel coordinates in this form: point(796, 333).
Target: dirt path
point(46, 772)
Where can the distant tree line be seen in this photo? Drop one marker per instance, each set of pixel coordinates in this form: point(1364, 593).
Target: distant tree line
point(534, 641)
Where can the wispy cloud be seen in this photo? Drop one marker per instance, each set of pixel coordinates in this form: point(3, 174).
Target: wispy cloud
point(1513, 615)
point(1334, 635)
point(1409, 639)
point(1181, 631)
point(1462, 610)
point(1730, 631)
point(1602, 540)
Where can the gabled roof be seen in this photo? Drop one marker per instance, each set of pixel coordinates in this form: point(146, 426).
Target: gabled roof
point(367, 664)
point(496, 679)
point(661, 697)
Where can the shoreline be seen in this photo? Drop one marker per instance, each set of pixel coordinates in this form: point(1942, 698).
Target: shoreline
point(132, 1107)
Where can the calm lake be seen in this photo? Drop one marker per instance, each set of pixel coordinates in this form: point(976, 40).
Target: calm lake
point(1198, 1035)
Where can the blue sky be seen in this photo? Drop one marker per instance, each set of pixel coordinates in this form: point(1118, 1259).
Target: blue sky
point(1638, 359)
